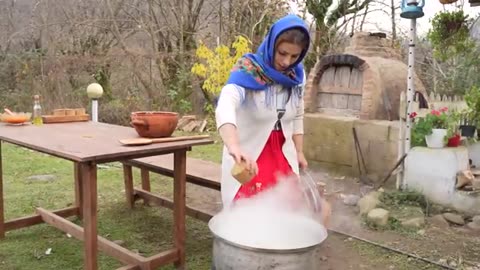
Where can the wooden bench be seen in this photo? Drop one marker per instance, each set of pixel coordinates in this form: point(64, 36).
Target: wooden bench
point(199, 172)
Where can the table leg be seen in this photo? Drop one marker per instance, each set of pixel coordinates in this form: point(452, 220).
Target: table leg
point(128, 180)
point(179, 205)
point(2, 217)
point(88, 172)
point(78, 188)
point(145, 175)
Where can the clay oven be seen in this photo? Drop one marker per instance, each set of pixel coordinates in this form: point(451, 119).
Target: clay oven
point(365, 82)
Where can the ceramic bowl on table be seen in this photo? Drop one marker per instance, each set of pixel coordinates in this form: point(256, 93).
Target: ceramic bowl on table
point(154, 124)
point(15, 118)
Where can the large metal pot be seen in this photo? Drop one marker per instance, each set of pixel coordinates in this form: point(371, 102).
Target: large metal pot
point(231, 256)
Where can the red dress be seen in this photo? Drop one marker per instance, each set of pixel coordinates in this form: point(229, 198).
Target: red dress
point(271, 163)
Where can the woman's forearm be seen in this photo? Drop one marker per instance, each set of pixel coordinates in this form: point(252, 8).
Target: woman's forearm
point(298, 141)
point(229, 135)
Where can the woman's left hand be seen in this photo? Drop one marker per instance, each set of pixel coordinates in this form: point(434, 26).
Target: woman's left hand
point(302, 161)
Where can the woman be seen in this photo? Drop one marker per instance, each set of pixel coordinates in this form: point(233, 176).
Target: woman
point(259, 114)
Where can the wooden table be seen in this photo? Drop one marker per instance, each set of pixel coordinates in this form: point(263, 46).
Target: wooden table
point(88, 144)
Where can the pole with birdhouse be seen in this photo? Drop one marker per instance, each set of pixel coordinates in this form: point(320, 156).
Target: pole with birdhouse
point(411, 10)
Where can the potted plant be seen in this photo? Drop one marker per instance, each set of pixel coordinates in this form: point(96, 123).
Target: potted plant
point(454, 137)
point(468, 124)
point(472, 98)
point(435, 129)
point(449, 33)
point(447, 23)
point(455, 140)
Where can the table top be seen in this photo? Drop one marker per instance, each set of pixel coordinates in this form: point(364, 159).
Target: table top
point(87, 141)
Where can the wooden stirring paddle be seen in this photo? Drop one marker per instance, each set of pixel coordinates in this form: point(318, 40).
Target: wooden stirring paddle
point(8, 111)
point(145, 141)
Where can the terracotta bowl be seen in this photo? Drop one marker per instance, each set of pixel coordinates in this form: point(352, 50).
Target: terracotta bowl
point(154, 124)
point(16, 118)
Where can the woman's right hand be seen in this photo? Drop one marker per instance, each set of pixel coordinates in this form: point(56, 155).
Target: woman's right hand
point(240, 158)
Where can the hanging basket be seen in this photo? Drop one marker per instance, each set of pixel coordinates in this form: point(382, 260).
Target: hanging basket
point(453, 26)
point(446, 2)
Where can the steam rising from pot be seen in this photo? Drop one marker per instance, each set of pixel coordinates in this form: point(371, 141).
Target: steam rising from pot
point(278, 219)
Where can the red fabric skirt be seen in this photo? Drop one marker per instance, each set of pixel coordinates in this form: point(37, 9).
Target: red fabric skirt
point(271, 164)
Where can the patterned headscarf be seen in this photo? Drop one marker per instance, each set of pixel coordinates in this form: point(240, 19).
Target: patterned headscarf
point(256, 71)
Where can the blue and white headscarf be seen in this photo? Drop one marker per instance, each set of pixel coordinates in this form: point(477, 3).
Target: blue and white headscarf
point(256, 71)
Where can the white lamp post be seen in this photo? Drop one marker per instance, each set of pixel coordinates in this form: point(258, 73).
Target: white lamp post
point(94, 92)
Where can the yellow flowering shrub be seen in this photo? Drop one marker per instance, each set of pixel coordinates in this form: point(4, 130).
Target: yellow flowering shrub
point(214, 65)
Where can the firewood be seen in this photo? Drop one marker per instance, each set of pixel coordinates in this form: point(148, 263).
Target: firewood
point(184, 121)
point(203, 126)
point(190, 126)
point(476, 183)
point(464, 178)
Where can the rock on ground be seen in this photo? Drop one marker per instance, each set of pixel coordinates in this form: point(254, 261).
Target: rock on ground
point(378, 216)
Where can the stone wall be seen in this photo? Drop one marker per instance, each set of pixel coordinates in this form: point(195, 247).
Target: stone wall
point(329, 142)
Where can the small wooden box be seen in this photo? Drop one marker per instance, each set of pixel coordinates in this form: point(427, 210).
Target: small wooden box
point(70, 112)
point(58, 112)
point(240, 173)
point(66, 115)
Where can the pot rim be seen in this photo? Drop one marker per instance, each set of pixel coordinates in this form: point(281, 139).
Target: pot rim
point(266, 250)
point(144, 113)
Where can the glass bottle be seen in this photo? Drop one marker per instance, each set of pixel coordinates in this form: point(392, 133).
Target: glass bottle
point(37, 111)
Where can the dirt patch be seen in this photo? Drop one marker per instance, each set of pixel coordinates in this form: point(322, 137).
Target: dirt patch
point(454, 246)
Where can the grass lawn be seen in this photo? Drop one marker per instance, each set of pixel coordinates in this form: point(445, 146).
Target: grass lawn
point(147, 230)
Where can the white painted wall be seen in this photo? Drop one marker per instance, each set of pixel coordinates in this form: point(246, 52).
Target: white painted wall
point(433, 173)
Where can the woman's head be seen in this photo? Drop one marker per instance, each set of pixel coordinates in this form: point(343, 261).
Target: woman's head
point(278, 59)
point(286, 43)
point(289, 47)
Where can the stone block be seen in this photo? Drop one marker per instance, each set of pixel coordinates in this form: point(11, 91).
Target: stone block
point(372, 129)
point(380, 157)
point(378, 216)
point(367, 204)
point(414, 223)
point(328, 138)
point(454, 218)
point(439, 221)
point(384, 154)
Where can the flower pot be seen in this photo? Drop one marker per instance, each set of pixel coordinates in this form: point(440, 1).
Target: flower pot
point(468, 130)
point(454, 141)
point(436, 139)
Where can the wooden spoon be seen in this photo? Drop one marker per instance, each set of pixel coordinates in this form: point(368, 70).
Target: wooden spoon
point(8, 111)
point(145, 141)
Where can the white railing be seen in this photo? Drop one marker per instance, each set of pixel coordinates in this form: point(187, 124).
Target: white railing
point(435, 101)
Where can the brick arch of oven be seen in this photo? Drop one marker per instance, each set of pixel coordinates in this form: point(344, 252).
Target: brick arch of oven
point(342, 60)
